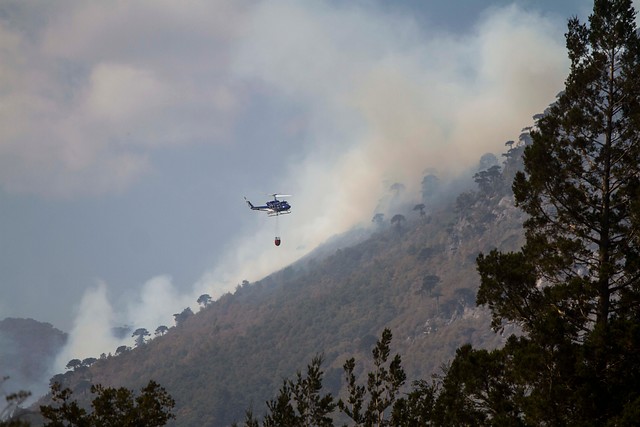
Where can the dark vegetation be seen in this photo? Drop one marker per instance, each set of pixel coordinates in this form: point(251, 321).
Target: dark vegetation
point(111, 407)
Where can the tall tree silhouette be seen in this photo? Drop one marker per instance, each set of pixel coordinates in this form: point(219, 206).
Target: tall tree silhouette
point(574, 288)
point(368, 405)
point(153, 406)
point(398, 220)
point(140, 336)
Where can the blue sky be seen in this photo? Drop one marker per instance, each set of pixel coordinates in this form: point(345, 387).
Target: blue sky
point(130, 132)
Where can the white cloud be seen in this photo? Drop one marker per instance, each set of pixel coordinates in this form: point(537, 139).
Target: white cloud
point(100, 86)
point(122, 93)
point(89, 96)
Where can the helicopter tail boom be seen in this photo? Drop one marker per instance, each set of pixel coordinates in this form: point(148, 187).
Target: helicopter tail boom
point(250, 204)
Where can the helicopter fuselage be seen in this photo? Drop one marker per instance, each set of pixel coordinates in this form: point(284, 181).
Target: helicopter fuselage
point(273, 207)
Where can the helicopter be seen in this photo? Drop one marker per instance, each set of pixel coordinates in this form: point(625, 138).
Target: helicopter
point(275, 208)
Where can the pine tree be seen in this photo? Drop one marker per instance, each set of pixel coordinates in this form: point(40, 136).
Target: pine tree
point(301, 403)
point(574, 288)
point(370, 406)
point(119, 407)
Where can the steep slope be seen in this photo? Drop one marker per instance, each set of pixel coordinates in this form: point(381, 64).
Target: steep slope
point(416, 277)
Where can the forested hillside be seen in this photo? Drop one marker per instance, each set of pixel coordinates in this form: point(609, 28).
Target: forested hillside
point(415, 275)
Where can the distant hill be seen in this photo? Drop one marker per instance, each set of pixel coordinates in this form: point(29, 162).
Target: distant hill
point(414, 274)
point(27, 350)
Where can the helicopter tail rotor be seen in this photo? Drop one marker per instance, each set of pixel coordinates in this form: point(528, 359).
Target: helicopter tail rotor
point(249, 203)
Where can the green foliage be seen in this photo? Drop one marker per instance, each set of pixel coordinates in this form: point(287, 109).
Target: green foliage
point(66, 412)
point(490, 181)
point(161, 330)
point(110, 408)
point(384, 382)
point(204, 300)
point(182, 317)
point(367, 406)
point(574, 288)
point(300, 403)
point(509, 289)
point(417, 408)
point(356, 393)
point(74, 364)
point(14, 423)
point(140, 335)
point(477, 390)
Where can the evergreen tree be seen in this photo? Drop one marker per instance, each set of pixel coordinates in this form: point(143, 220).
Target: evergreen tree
point(417, 408)
point(140, 335)
point(313, 407)
point(574, 288)
point(181, 317)
point(204, 300)
point(111, 407)
point(477, 390)
point(370, 406)
point(398, 220)
point(300, 403)
point(161, 330)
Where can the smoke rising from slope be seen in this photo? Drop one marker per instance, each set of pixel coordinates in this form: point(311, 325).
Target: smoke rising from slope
point(93, 331)
point(380, 100)
point(386, 100)
point(94, 320)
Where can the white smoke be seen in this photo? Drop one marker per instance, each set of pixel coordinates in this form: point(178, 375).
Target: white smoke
point(97, 317)
point(386, 100)
point(92, 331)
